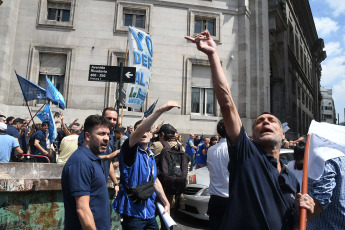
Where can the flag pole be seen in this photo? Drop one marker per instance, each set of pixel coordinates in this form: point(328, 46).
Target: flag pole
point(39, 110)
point(303, 217)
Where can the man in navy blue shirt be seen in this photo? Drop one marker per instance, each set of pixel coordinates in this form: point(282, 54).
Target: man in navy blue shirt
point(38, 143)
point(262, 191)
point(85, 192)
point(14, 130)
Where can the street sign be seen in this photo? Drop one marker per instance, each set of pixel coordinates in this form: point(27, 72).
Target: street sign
point(111, 73)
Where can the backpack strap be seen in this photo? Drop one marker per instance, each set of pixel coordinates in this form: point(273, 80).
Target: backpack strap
point(165, 144)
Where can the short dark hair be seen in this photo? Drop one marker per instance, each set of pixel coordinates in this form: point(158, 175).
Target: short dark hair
point(120, 130)
point(44, 124)
point(221, 128)
point(9, 119)
point(108, 109)
point(2, 116)
point(94, 120)
point(137, 124)
point(168, 130)
point(18, 120)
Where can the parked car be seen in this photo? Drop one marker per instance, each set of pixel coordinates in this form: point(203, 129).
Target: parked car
point(196, 197)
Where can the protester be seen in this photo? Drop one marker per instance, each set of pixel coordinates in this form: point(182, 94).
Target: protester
point(69, 144)
point(217, 164)
point(213, 141)
point(15, 130)
point(190, 151)
point(2, 119)
point(120, 136)
point(296, 165)
point(261, 191)
point(8, 144)
point(129, 130)
point(9, 120)
point(111, 115)
point(138, 167)
point(85, 192)
point(329, 193)
point(201, 153)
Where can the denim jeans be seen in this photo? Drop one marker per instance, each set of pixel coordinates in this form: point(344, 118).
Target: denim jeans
point(130, 223)
point(191, 159)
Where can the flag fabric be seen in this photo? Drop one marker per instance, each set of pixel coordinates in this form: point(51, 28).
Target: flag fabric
point(150, 109)
point(140, 48)
point(30, 90)
point(285, 127)
point(326, 142)
point(46, 115)
point(54, 95)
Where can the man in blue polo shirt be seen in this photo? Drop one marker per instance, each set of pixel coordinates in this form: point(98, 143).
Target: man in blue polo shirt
point(190, 151)
point(262, 191)
point(201, 153)
point(15, 131)
point(38, 142)
point(137, 166)
point(85, 192)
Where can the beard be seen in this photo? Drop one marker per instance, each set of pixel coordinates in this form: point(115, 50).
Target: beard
point(97, 150)
point(272, 143)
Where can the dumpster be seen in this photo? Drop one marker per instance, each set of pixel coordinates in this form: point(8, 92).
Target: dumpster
point(31, 197)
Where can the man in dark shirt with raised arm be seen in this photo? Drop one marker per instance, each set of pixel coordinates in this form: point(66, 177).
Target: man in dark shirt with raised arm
point(261, 190)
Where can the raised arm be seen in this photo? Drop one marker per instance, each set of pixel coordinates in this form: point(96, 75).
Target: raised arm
point(149, 121)
point(233, 124)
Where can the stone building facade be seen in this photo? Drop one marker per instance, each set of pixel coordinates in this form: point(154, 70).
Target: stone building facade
point(64, 37)
point(296, 52)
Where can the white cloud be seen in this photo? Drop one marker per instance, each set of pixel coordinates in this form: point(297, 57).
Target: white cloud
point(333, 71)
point(325, 26)
point(333, 49)
point(338, 6)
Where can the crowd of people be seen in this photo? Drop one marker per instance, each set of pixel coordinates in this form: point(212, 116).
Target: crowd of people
point(250, 187)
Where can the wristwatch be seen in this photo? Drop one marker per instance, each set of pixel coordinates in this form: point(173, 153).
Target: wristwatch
point(118, 184)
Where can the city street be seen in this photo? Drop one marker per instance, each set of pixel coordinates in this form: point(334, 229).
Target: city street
point(187, 222)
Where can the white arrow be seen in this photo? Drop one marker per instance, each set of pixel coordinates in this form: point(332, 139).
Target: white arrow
point(129, 75)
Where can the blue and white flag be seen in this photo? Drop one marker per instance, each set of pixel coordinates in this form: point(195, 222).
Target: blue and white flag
point(30, 90)
point(140, 56)
point(150, 110)
point(326, 142)
point(54, 95)
point(46, 115)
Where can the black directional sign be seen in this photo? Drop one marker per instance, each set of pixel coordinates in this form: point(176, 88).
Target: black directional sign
point(111, 73)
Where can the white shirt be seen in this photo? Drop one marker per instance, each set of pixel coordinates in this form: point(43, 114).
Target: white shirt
point(217, 163)
point(298, 173)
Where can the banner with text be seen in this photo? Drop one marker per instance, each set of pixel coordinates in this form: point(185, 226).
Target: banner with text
point(140, 56)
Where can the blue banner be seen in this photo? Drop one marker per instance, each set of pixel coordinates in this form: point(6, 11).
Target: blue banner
point(54, 95)
point(150, 110)
point(30, 90)
point(46, 115)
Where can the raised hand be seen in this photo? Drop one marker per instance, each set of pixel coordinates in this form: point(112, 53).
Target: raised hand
point(204, 42)
point(168, 106)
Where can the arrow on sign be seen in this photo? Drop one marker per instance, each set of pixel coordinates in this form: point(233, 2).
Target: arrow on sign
point(129, 75)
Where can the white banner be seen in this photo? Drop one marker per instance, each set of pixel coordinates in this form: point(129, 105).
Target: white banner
point(140, 56)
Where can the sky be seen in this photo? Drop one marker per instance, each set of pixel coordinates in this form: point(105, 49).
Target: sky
point(329, 18)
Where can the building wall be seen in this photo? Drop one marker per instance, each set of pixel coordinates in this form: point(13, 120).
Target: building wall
point(95, 36)
point(328, 113)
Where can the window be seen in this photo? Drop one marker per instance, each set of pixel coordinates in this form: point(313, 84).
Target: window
point(56, 13)
point(132, 14)
point(134, 18)
point(203, 24)
point(202, 101)
point(54, 66)
point(59, 12)
point(200, 21)
point(326, 107)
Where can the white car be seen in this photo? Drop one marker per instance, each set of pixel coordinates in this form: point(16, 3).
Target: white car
point(196, 197)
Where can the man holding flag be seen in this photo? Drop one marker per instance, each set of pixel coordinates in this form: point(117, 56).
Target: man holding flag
point(262, 192)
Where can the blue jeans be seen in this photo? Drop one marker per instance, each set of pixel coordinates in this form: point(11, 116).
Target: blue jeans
point(191, 159)
point(130, 222)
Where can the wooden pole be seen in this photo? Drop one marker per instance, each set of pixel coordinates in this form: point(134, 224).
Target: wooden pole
point(303, 217)
point(39, 110)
